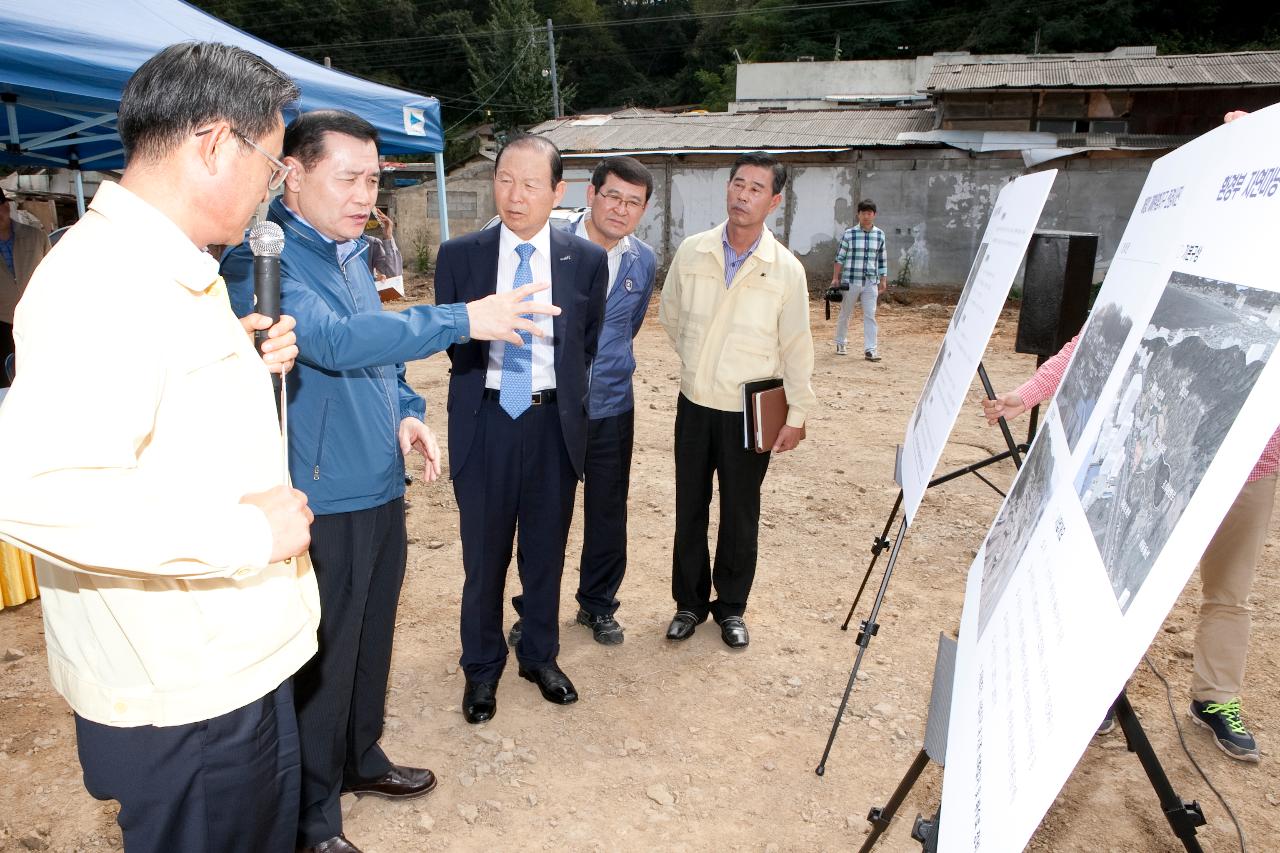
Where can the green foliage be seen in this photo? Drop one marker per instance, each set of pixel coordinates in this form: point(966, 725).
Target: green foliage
point(655, 53)
point(421, 252)
point(508, 65)
point(716, 92)
point(903, 278)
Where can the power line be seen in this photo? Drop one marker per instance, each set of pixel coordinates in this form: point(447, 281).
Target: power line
point(613, 22)
point(414, 56)
point(496, 88)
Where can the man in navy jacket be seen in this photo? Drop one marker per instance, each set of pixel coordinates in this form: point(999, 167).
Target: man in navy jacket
point(352, 419)
point(617, 197)
point(518, 423)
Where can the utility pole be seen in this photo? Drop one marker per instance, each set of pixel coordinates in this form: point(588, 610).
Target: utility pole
point(555, 80)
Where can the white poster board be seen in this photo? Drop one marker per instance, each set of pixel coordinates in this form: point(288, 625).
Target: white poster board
point(1013, 219)
point(1163, 412)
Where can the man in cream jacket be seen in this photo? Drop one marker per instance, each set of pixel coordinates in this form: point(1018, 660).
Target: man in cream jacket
point(174, 616)
point(736, 305)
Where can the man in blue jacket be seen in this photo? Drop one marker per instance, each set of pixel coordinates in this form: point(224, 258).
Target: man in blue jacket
point(352, 419)
point(616, 200)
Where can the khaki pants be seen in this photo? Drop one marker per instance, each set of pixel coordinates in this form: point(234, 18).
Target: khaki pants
point(1226, 574)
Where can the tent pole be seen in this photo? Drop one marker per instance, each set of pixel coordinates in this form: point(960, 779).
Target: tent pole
point(440, 197)
point(79, 193)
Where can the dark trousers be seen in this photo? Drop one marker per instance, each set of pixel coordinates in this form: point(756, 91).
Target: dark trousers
point(607, 476)
point(359, 562)
point(225, 784)
point(709, 441)
point(517, 484)
point(6, 350)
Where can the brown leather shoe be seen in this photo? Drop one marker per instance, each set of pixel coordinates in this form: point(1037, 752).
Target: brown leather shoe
point(398, 783)
point(337, 844)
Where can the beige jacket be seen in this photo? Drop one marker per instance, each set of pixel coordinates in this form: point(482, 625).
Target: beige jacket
point(30, 245)
point(140, 417)
point(756, 328)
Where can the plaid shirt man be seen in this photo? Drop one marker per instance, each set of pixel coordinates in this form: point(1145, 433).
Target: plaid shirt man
point(861, 257)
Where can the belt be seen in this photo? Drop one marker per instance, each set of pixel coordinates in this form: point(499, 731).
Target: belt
point(537, 398)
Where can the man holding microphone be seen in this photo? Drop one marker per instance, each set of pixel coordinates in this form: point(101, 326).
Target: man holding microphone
point(174, 615)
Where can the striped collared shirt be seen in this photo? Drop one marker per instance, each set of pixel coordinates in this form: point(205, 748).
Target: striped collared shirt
point(861, 256)
point(732, 260)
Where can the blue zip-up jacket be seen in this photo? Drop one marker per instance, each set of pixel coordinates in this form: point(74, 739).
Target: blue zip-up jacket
point(609, 382)
point(347, 393)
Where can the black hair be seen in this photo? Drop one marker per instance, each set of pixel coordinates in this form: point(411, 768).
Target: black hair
point(626, 169)
point(867, 204)
point(304, 137)
point(765, 161)
point(530, 140)
point(186, 86)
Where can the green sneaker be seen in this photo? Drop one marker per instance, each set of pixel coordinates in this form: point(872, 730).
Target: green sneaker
point(1223, 719)
point(1108, 723)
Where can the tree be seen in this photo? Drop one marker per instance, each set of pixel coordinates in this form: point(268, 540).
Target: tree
point(509, 67)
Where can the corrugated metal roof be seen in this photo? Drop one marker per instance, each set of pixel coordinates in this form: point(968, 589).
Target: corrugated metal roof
point(772, 130)
point(1152, 141)
point(1124, 72)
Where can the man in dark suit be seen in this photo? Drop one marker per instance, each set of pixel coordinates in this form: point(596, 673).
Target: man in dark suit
point(518, 422)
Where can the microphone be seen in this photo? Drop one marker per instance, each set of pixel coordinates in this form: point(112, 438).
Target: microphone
point(267, 240)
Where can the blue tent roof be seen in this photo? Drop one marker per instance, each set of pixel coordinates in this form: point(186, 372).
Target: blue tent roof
point(63, 65)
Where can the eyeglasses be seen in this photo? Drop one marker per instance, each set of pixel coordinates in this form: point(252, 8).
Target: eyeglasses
point(278, 174)
point(627, 204)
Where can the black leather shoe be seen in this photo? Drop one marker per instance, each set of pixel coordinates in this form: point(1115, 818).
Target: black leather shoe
point(513, 636)
point(605, 630)
point(734, 632)
point(480, 701)
point(337, 844)
point(554, 684)
point(683, 625)
point(398, 783)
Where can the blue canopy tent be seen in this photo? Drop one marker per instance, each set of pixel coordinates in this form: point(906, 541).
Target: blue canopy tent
point(63, 65)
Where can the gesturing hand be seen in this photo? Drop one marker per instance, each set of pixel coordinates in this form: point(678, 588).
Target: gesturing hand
point(499, 316)
point(415, 435)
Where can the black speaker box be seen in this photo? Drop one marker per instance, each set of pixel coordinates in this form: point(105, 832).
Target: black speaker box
point(1055, 290)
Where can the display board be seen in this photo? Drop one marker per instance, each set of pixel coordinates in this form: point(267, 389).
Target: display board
point(1163, 411)
point(1013, 219)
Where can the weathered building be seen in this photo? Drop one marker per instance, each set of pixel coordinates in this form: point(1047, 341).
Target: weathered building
point(933, 198)
point(933, 167)
point(1109, 100)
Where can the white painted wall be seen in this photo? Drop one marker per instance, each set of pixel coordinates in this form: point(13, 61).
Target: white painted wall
point(790, 81)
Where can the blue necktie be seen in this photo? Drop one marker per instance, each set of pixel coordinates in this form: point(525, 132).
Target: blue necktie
point(517, 362)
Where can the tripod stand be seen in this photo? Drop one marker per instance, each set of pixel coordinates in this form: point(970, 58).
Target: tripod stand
point(1183, 816)
point(1013, 452)
point(869, 627)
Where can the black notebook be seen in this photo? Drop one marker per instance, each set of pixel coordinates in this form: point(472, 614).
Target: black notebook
point(749, 390)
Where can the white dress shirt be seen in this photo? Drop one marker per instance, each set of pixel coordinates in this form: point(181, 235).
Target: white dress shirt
point(615, 254)
point(544, 369)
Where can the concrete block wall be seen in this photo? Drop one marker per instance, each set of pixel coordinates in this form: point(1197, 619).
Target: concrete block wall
point(933, 203)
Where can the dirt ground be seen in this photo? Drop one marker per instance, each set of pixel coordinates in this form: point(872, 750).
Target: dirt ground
point(690, 747)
